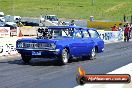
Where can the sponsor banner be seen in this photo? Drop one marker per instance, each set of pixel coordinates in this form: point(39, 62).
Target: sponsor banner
point(8, 31)
point(4, 31)
point(13, 32)
point(82, 77)
point(118, 78)
point(111, 35)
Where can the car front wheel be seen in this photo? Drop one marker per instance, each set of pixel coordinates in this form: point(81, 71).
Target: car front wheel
point(64, 57)
point(93, 54)
point(25, 58)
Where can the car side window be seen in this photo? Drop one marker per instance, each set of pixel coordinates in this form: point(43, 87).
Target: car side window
point(85, 34)
point(57, 33)
point(94, 34)
point(78, 34)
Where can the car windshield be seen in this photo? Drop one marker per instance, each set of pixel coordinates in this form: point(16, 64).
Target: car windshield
point(51, 18)
point(62, 32)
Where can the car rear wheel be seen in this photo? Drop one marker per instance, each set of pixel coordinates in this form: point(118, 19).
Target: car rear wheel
point(93, 54)
point(64, 57)
point(25, 58)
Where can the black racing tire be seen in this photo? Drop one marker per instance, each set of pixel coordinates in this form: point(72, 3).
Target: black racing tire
point(64, 58)
point(26, 59)
point(92, 55)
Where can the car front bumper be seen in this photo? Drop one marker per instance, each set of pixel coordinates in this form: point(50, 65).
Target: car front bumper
point(40, 53)
point(28, 49)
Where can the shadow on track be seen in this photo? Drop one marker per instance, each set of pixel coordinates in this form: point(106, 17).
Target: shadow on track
point(42, 62)
point(34, 63)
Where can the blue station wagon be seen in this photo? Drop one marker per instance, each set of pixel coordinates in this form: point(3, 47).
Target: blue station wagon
point(61, 43)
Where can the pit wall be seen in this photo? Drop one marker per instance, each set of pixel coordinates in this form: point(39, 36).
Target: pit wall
point(111, 36)
point(102, 24)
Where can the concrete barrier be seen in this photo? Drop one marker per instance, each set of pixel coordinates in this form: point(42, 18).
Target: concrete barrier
point(8, 46)
point(111, 36)
point(102, 24)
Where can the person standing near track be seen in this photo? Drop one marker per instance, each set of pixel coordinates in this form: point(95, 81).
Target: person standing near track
point(130, 30)
point(120, 28)
point(120, 32)
point(114, 28)
point(72, 23)
point(126, 33)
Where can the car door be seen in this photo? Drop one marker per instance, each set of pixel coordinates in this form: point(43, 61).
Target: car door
point(96, 38)
point(88, 42)
point(77, 47)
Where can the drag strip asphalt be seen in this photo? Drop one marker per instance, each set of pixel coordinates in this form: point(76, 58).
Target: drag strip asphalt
point(45, 74)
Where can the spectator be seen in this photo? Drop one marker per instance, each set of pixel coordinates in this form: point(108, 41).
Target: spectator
point(130, 30)
point(120, 28)
point(124, 18)
point(19, 23)
point(72, 23)
point(126, 33)
point(114, 28)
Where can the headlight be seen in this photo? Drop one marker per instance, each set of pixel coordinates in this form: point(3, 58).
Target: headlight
point(53, 45)
point(20, 45)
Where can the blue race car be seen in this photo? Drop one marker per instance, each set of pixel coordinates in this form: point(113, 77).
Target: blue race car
point(61, 43)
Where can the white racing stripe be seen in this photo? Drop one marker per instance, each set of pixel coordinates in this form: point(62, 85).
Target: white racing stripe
point(127, 69)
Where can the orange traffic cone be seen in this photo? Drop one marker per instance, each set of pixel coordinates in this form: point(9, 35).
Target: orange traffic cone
point(20, 34)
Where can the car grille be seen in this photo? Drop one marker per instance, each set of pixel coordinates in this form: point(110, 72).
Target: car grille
point(37, 45)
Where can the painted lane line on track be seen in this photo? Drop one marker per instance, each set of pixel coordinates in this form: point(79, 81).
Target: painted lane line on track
point(127, 69)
